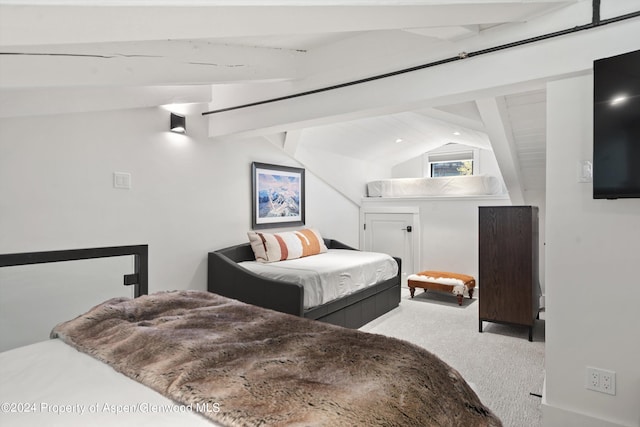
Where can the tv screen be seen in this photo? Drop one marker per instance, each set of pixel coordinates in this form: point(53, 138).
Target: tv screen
point(616, 127)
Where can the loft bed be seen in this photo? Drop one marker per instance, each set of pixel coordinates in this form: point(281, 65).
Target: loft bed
point(449, 186)
point(200, 359)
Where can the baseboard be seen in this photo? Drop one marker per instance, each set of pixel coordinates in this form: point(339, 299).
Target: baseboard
point(553, 416)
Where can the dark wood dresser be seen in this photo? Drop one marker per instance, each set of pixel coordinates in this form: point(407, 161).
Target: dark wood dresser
point(508, 275)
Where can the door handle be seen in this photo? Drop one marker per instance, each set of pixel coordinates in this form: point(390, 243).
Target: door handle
point(408, 229)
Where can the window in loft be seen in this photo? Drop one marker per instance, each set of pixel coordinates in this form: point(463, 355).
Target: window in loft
point(451, 163)
point(452, 168)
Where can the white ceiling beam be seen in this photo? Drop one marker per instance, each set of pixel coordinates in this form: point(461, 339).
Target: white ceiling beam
point(453, 119)
point(94, 23)
point(107, 43)
point(496, 121)
point(153, 63)
point(495, 74)
point(38, 101)
point(243, 3)
point(277, 139)
point(291, 142)
point(446, 33)
point(286, 141)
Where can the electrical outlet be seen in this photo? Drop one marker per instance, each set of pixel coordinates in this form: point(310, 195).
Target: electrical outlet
point(594, 379)
point(608, 382)
point(601, 380)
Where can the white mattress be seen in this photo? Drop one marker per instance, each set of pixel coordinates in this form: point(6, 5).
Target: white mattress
point(473, 185)
point(51, 384)
point(329, 275)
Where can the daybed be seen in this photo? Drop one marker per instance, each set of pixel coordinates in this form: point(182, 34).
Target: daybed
point(226, 277)
point(196, 358)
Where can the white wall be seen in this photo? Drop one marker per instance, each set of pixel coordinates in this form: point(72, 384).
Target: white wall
point(593, 254)
point(189, 195)
point(448, 230)
point(341, 172)
point(538, 198)
point(412, 168)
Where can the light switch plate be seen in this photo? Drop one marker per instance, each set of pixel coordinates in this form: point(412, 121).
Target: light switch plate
point(585, 171)
point(122, 180)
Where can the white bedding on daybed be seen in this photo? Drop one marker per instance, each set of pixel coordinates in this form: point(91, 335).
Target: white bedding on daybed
point(472, 185)
point(330, 275)
point(52, 384)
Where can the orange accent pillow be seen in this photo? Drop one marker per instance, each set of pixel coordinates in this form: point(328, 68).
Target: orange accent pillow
point(271, 247)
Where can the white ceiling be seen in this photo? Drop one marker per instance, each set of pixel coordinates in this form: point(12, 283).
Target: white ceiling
point(527, 114)
point(284, 47)
point(201, 42)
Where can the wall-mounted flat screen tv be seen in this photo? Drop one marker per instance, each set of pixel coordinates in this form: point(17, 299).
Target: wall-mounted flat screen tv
point(616, 127)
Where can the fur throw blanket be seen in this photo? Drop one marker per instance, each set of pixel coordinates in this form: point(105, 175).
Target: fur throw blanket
point(264, 368)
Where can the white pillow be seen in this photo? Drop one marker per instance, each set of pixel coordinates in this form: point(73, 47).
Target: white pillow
point(271, 247)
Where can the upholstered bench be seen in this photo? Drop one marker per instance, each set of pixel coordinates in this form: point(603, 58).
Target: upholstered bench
point(454, 283)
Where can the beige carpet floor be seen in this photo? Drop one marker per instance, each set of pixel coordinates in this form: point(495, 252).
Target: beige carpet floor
point(501, 364)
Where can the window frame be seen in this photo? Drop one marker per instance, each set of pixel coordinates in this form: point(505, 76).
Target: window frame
point(432, 164)
point(460, 155)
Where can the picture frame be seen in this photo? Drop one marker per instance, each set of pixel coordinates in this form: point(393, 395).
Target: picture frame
point(277, 196)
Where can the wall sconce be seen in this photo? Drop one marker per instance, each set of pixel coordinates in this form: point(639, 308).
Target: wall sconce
point(178, 123)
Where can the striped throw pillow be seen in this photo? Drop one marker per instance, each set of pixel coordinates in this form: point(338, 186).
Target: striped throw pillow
point(271, 247)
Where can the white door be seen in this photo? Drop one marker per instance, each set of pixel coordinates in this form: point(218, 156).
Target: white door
point(394, 234)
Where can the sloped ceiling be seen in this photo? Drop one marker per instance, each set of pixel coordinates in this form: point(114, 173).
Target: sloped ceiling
point(262, 49)
point(527, 113)
point(392, 138)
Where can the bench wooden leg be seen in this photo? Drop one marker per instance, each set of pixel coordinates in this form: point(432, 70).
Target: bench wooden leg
point(470, 293)
point(412, 291)
point(459, 299)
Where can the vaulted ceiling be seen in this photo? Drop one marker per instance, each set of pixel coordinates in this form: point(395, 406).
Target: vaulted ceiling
point(245, 51)
point(113, 42)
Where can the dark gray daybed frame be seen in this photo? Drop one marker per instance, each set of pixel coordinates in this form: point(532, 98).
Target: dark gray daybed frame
point(227, 278)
